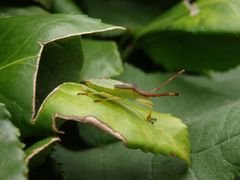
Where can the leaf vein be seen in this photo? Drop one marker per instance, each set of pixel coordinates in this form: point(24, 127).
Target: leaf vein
point(26, 40)
point(18, 62)
point(217, 144)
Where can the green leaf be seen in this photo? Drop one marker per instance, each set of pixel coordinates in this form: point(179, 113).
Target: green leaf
point(19, 57)
point(57, 59)
point(198, 42)
point(210, 108)
point(45, 3)
point(131, 14)
point(116, 162)
point(65, 6)
point(101, 59)
point(124, 120)
point(39, 146)
point(36, 153)
point(7, 11)
point(93, 136)
point(12, 163)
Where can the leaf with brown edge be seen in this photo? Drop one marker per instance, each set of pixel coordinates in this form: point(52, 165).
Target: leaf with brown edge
point(123, 119)
point(38, 147)
point(36, 153)
point(20, 58)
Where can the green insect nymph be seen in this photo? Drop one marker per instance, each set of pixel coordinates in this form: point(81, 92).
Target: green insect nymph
point(120, 90)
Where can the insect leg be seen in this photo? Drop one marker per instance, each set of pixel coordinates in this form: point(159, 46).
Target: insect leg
point(108, 99)
point(150, 118)
point(148, 104)
point(105, 96)
point(87, 93)
point(166, 94)
point(167, 81)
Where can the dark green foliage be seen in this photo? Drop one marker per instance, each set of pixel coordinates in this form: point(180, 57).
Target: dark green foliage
point(47, 47)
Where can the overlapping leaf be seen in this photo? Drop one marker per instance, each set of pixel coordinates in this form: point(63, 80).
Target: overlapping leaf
point(101, 59)
point(12, 161)
point(197, 37)
point(116, 162)
point(36, 153)
point(6, 10)
point(131, 14)
point(200, 36)
point(20, 57)
point(65, 6)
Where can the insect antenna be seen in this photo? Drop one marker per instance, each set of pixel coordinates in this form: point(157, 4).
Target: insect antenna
point(167, 81)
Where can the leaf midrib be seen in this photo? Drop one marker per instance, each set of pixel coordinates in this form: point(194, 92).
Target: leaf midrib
point(19, 61)
point(27, 40)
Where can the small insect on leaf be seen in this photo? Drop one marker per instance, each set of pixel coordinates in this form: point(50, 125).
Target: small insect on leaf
point(151, 93)
point(118, 90)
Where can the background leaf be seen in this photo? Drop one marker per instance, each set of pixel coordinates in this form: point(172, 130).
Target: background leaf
point(12, 161)
point(93, 136)
point(131, 14)
point(201, 42)
point(7, 11)
point(116, 162)
point(65, 6)
point(45, 3)
point(101, 59)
